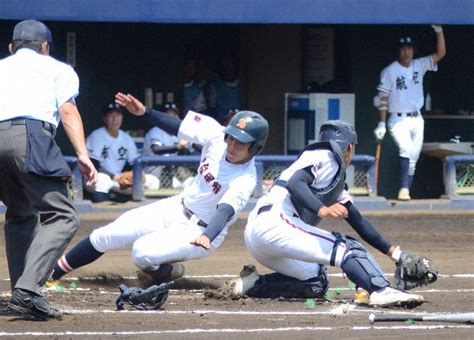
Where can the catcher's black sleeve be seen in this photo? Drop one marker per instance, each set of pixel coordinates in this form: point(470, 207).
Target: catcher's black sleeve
point(365, 229)
point(298, 187)
point(163, 120)
point(223, 215)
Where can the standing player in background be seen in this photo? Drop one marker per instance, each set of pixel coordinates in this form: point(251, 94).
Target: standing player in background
point(195, 85)
point(37, 92)
point(111, 149)
point(224, 92)
point(401, 95)
point(193, 224)
point(282, 232)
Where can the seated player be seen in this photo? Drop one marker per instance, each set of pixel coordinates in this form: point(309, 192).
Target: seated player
point(110, 149)
point(160, 142)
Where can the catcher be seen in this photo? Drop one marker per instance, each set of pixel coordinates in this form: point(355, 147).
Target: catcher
point(111, 149)
point(283, 233)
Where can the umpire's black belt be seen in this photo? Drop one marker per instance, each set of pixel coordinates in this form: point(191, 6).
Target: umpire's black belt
point(189, 214)
point(408, 114)
point(22, 121)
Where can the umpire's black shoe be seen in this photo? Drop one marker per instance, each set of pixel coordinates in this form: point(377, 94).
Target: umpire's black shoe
point(33, 306)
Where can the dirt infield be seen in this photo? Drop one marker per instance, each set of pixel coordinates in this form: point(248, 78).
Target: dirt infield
point(90, 307)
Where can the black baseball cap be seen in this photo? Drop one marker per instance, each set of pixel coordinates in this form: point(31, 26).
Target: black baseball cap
point(169, 106)
point(32, 30)
point(111, 107)
point(406, 41)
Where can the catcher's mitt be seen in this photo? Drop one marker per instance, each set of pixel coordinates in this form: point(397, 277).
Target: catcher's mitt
point(125, 180)
point(143, 299)
point(414, 271)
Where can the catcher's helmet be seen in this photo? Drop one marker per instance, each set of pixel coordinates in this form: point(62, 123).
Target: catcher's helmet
point(339, 131)
point(249, 127)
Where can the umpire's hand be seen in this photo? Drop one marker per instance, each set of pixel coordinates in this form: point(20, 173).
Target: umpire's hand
point(87, 169)
point(132, 104)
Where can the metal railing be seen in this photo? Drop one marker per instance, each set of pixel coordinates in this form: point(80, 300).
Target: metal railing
point(459, 175)
point(265, 170)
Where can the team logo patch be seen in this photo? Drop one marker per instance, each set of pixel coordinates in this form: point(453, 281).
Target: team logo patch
point(242, 123)
point(197, 118)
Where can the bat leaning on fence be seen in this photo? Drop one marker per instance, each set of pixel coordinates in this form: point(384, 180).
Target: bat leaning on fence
point(457, 317)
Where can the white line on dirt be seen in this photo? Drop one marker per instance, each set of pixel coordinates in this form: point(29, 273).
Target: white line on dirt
point(236, 330)
point(230, 276)
point(356, 309)
point(199, 291)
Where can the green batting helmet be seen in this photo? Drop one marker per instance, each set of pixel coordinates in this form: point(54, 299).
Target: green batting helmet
point(249, 127)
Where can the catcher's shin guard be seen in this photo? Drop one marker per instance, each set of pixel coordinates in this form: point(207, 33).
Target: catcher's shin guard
point(360, 266)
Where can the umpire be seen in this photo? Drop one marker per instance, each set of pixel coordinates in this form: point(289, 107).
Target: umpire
point(37, 92)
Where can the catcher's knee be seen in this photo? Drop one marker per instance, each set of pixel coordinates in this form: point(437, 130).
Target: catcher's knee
point(360, 266)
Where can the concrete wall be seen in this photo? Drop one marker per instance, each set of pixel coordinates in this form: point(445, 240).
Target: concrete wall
point(273, 67)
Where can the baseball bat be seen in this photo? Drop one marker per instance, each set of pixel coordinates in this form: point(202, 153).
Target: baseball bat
point(377, 159)
point(458, 318)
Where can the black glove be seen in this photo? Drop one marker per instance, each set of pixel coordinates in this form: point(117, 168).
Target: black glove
point(143, 299)
point(414, 271)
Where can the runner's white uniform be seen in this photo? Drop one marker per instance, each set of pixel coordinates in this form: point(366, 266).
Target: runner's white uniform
point(280, 240)
point(160, 232)
point(404, 87)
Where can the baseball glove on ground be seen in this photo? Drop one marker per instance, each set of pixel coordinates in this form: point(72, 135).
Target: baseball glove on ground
point(414, 271)
point(143, 299)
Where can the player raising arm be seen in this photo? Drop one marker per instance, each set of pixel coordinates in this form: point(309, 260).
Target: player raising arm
point(400, 94)
point(282, 232)
point(193, 224)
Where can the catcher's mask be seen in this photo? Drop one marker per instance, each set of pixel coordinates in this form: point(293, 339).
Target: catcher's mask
point(339, 131)
point(249, 127)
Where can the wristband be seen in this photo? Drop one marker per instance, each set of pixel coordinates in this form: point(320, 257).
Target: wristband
point(396, 254)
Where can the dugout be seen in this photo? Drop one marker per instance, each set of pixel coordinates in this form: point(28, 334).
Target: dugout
point(141, 44)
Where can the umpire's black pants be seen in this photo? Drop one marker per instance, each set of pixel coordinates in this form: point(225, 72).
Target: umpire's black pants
point(40, 220)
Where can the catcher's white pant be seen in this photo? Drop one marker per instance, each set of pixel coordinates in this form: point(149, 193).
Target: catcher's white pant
point(158, 233)
point(106, 184)
point(407, 133)
point(282, 242)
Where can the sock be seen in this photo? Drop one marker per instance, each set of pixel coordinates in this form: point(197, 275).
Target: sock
point(404, 178)
point(410, 180)
point(82, 254)
point(99, 196)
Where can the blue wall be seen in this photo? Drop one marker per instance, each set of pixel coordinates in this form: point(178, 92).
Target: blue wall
point(245, 11)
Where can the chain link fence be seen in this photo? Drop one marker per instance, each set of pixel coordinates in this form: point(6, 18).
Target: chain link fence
point(173, 178)
point(465, 178)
